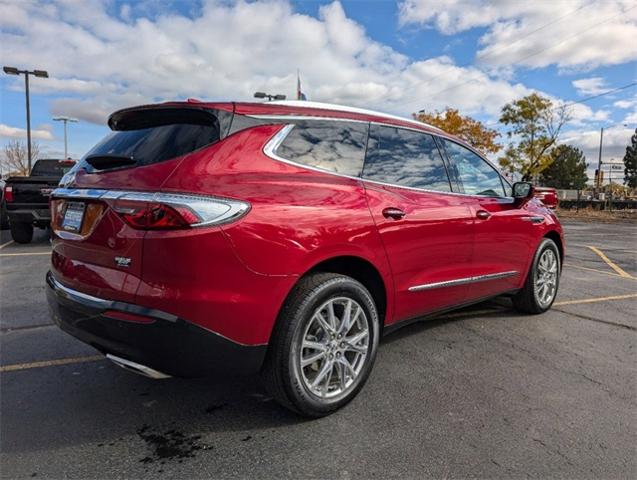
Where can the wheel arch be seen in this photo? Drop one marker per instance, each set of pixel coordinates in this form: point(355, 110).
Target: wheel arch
point(361, 270)
point(555, 236)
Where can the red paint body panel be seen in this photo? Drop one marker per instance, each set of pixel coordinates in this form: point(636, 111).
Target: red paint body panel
point(232, 279)
point(432, 243)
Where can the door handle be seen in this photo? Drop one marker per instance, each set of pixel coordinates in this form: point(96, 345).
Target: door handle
point(482, 214)
point(393, 212)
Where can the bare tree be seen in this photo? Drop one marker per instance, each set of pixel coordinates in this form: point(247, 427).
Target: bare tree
point(15, 160)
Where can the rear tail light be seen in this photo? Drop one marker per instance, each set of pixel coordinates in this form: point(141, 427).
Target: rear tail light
point(8, 193)
point(165, 211)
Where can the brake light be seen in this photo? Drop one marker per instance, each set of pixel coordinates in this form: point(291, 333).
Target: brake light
point(8, 193)
point(162, 211)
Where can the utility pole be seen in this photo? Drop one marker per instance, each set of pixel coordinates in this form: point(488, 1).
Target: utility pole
point(599, 161)
point(65, 120)
point(26, 73)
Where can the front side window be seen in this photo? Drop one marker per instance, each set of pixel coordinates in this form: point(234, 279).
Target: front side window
point(474, 173)
point(338, 147)
point(405, 157)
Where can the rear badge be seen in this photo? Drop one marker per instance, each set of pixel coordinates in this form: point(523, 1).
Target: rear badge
point(122, 261)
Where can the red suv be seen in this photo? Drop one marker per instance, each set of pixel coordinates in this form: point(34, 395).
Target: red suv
point(284, 238)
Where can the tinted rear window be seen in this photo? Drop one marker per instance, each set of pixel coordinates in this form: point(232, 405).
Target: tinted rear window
point(50, 168)
point(154, 135)
point(335, 146)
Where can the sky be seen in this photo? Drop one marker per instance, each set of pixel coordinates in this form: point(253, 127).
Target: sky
point(396, 57)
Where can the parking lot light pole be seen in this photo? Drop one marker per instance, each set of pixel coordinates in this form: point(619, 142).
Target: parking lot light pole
point(26, 73)
point(65, 120)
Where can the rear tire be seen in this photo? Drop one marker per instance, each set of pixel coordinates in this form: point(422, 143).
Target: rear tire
point(542, 282)
point(323, 346)
point(21, 232)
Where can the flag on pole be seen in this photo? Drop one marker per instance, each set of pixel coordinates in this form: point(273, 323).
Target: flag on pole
point(299, 94)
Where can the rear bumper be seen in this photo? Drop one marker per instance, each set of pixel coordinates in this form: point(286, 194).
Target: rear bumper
point(37, 216)
point(166, 343)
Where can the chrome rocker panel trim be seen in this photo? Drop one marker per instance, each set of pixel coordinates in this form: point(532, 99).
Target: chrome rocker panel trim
point(463, 281)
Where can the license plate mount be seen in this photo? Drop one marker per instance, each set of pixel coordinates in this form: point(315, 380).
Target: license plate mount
point(73, 217)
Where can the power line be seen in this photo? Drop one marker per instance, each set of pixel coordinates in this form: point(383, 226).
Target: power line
point(583, 100)
point(540, 51)
point(508, 46)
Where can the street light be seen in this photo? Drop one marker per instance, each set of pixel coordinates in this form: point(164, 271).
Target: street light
point(65, 120)
point(278, 96)
point(26, 73)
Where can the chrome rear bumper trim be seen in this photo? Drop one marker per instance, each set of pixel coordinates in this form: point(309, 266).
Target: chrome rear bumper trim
point(103, 304)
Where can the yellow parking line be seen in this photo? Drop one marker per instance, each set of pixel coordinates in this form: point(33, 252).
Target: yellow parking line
point(612, 265)
point(598, 299)
point(5, 244)
point(50, 363)
point(95, 358)
point(570, 265)
point(23, 254)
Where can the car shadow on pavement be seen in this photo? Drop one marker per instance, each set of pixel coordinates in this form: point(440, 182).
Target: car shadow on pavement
point(499, 307)
point(99, 405)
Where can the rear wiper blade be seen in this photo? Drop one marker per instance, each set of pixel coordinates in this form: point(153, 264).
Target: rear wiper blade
point(105, 161)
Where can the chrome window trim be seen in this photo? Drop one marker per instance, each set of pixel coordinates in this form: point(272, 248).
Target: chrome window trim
point(270, 150)
point(463, 281)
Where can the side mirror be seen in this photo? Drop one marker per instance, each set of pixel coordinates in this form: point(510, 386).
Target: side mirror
point(522, 190)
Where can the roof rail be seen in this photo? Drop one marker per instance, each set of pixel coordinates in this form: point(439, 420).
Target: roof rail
point(345, 108)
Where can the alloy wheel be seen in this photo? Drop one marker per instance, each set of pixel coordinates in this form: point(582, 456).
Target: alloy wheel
point(546, 278)
point(334, 347)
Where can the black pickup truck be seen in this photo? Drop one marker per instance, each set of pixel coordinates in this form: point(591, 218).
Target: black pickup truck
point(27, 198)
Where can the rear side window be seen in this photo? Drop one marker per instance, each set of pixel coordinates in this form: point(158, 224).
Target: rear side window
point(154, 135)
point(405, 157)
point(51, 168)
point(474, 173)
point(335, 146)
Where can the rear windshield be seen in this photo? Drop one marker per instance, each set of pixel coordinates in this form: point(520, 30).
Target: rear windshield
point(50, 168)
point(154, 135)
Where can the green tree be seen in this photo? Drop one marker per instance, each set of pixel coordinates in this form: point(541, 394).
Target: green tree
point(630, 162)
point(472, 131)
point(534, 127)
point(567, 169)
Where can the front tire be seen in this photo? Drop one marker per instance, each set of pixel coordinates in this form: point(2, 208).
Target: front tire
point(542, 282)
point(21, 232)
point(323, 346)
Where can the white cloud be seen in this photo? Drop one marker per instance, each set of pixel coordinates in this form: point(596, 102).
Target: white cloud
point(577, 33)
point(624, 103)
point(36, 134)
point(614, 145)
point(99, 62)
point(590, 86)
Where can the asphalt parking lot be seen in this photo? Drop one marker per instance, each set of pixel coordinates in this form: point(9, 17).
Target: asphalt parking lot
point(483, 392)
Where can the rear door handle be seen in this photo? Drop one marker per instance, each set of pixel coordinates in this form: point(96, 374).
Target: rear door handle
point(393, 212)
point(483, 214)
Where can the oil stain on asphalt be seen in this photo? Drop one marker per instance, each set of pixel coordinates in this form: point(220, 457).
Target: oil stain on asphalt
point(170, 445)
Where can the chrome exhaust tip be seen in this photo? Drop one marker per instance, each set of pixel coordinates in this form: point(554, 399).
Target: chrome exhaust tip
point(136, 367)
